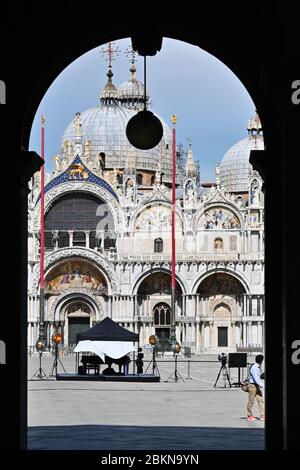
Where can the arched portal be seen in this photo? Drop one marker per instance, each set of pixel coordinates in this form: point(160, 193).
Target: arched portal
point(153, 306)
point(75, 297)
point(223, 306)
point(78, 318)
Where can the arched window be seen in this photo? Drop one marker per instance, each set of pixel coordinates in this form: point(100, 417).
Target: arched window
point(79, 213)
point(139, 178)
point(162, 315)
point(158, 245)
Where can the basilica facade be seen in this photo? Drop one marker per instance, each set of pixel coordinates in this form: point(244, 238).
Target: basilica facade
point(108, 235)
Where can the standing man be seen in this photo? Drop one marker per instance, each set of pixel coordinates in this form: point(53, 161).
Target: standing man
point(254, 389)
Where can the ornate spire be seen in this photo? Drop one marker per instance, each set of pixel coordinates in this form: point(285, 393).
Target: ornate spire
point(78, 138)
point(190, 167)
point(109, 94)
point(77, 125)
point(217, 172)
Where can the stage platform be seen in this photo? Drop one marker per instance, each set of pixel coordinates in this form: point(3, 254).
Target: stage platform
point(109, 378)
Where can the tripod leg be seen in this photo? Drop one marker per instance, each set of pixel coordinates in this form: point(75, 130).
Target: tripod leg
point(227, 374)
point(217, 377)
point(148, 365)
point(62, 365)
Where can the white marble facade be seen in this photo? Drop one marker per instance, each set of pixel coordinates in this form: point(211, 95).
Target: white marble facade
point(219, 251)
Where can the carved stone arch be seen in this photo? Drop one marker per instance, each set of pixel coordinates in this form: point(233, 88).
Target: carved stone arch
point(255, 178)
point(218, 204)
point(215, 270)
point(137, 281)
point(151, 204)
point(58, 307)
point(224, 307)
point(80, 186)
point(86, 254)
point(188, 181)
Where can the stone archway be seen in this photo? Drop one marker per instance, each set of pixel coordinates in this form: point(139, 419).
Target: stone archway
point(153, 290)
point(266, 93)
point(78, 317)
point(76, 304)
point(223, 306)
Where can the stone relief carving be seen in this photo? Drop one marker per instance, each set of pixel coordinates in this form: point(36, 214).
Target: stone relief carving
point(156, 218)
point(52, 306)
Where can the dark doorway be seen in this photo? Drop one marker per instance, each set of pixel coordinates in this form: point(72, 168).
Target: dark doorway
point(77, 325)
point(223, 336)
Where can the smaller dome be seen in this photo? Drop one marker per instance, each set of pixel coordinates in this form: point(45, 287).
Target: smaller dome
point(109, 94)
point(131, 93)
point(235, 167)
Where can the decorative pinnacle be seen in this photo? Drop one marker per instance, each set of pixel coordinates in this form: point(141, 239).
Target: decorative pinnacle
point(130, 52)
point(173, 119)
point(43, 120)
point(110, 51)
point(77, 123)
point(189, 141)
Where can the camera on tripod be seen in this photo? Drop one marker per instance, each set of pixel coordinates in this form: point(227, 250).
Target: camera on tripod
point(223, 359)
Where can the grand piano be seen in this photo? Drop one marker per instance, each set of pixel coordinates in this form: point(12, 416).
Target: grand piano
point(94, 362)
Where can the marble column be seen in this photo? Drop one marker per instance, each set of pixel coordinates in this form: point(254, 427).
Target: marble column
point(198, 336)
point(244, 325)
point(210, 334)
point(249, 328)
point(71, 233)
point(259, 335)
point(87, 238)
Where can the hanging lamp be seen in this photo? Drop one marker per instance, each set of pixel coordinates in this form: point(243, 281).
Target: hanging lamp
point(144, 130)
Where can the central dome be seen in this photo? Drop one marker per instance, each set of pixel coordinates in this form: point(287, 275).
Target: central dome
point(104, 126)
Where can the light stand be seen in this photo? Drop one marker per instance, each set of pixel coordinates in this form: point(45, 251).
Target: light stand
point(224, 370)
point(56, 338)
point(153, 341)
point(39, 374)
point(175, 375)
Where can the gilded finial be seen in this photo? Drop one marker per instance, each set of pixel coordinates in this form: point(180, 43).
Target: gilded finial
point(43, 120)
point(130, 52)
point(110, 52)
point(173, 119)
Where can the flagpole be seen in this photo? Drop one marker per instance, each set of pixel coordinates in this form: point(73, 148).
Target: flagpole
point(42, 236)
point(173, 279)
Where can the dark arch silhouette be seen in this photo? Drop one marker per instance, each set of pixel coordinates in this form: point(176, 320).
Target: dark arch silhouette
point(268, 71)
point(220, 283)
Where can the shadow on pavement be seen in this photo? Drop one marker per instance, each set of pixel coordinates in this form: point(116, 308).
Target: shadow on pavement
point(113, 437)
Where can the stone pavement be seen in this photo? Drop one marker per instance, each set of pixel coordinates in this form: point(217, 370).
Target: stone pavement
point(189, 415)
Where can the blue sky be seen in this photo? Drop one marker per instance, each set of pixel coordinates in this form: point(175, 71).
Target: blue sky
point(211, 104)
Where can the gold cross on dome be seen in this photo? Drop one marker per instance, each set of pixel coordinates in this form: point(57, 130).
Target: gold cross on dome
point(110, 51)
